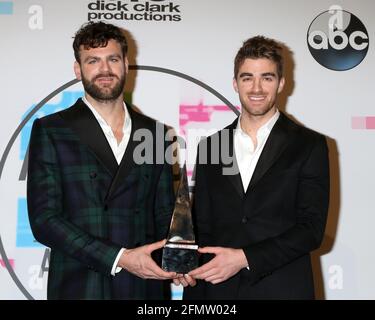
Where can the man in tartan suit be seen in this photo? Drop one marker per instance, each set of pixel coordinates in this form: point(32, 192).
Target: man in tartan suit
point(90, 198)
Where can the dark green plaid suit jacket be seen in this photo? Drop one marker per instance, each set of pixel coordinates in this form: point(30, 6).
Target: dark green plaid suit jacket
point(86, 207)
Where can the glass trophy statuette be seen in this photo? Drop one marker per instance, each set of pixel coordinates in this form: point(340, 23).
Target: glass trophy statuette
point(180, 252)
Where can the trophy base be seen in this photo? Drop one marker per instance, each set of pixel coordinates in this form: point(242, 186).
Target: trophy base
point(180, 258)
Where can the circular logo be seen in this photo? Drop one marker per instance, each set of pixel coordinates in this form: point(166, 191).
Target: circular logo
point(337, 39)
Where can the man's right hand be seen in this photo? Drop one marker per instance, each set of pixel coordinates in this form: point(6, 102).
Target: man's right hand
point(139, 262)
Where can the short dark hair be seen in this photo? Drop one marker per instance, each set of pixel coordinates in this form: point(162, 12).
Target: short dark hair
point(97, 34)
point(260, 47)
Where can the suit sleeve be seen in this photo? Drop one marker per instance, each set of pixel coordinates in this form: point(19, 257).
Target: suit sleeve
point(46, 213)
point(307, 233)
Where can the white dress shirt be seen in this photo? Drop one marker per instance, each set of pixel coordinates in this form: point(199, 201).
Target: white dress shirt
point(247, 155)
point(118, 150)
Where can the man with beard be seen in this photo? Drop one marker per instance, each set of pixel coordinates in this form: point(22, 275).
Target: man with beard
point(101, 211)
point(260, 215)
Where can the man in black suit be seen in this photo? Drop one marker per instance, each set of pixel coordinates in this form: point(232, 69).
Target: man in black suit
point(259, 216)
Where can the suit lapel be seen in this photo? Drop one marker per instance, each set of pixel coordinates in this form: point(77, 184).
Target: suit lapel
point(127, 162)
point(235, 179)
point(275, 145)
point(84, 124)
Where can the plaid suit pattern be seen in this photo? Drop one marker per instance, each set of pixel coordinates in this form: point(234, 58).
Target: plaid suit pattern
point(86, 210)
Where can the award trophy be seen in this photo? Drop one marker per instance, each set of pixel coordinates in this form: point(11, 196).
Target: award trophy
point(180, 252)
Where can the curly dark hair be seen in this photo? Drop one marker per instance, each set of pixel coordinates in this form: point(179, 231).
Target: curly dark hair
point(260, 47)
point(97, 34)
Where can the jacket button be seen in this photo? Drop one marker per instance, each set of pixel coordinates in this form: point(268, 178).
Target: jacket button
point(93, 175)
point(244, 220)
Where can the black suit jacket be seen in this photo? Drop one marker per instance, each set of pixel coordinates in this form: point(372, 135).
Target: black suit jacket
point(278, 221)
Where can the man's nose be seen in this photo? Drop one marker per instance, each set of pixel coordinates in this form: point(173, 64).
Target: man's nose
point(257, 85)
point(104, 66)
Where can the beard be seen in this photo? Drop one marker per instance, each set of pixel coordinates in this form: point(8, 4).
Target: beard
point(104, 94)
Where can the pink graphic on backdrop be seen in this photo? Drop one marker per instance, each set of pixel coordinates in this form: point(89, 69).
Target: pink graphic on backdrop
point(363, 123)
point(11, 261)
point(200, 113)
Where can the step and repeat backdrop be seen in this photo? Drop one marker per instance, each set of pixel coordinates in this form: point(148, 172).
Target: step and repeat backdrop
point(181, 56)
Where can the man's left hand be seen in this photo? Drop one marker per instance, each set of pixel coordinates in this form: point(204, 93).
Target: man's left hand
point(226, 263)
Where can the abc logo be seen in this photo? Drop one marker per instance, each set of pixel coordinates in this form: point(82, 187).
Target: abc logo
point(337, 39)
